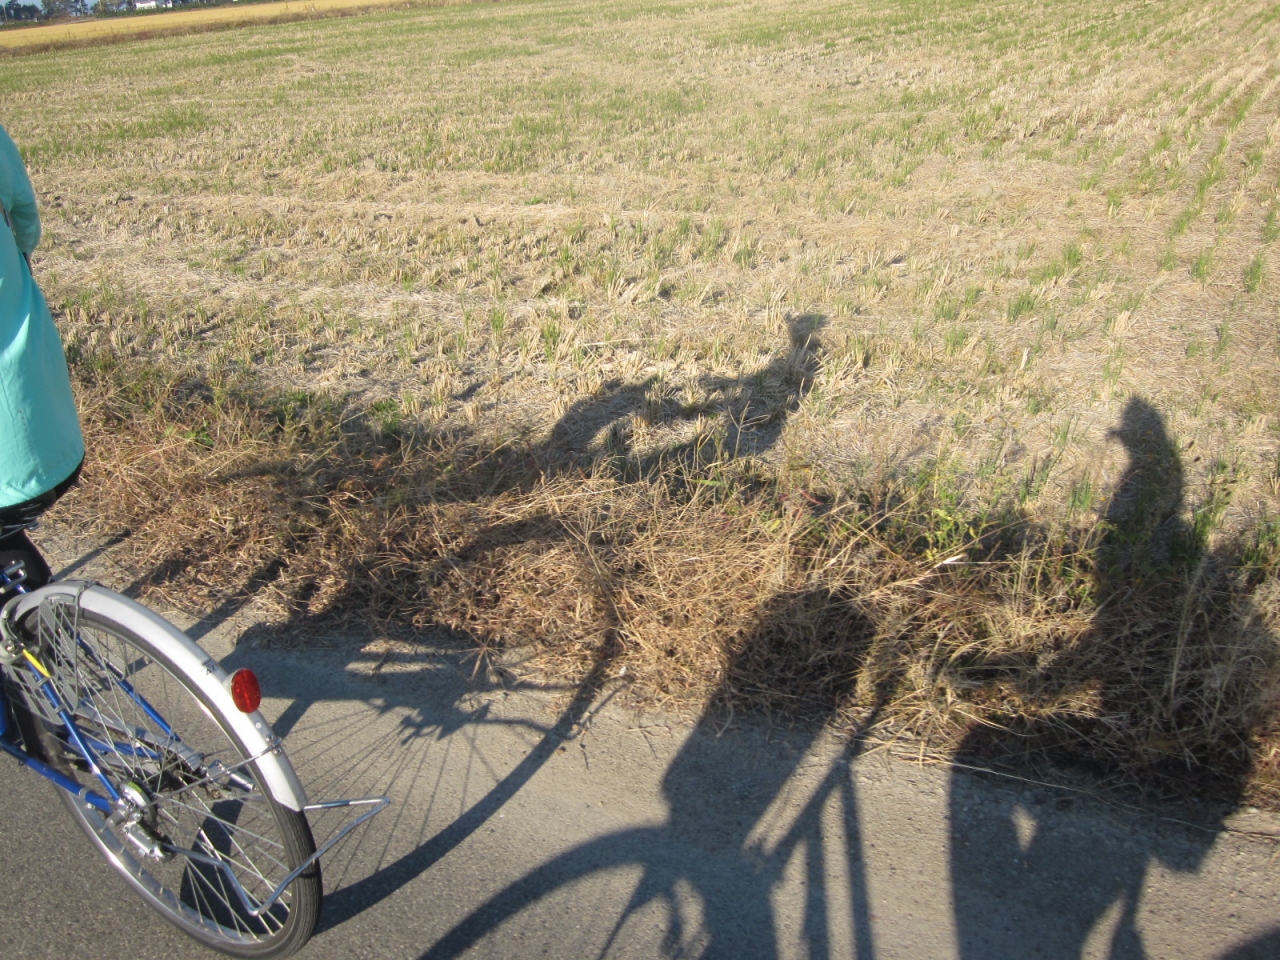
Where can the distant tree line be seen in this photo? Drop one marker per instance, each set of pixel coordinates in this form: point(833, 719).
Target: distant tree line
point(52, 9)
point(65, 8)
point(13, 10)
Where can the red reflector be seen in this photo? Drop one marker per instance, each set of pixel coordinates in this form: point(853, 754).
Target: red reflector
point(245, 692)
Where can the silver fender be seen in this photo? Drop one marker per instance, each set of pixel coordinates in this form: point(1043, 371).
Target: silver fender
point(197, 667)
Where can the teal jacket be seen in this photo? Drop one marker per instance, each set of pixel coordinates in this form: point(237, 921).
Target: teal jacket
point(40, 441)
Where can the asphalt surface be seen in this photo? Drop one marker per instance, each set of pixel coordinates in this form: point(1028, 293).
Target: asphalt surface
point(527, 825)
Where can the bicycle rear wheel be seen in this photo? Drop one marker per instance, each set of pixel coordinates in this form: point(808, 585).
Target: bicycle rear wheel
point(196, 829)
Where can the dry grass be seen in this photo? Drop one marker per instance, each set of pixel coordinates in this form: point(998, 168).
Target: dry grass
point(691, 340)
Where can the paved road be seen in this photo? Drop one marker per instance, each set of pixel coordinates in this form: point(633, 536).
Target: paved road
point(525, 826)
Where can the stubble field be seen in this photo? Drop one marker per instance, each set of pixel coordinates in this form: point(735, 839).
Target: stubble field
point(678, 346)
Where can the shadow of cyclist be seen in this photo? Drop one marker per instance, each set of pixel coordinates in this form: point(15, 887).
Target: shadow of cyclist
point(755, 406)
point(1029, 881)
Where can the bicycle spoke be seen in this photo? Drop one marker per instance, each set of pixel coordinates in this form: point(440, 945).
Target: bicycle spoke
point(194, 830)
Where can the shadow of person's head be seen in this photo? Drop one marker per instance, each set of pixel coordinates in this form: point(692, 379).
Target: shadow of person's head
point(1145, 536)
point(803, 330)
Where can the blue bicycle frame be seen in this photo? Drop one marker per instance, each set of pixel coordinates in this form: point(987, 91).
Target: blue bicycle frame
point(11, 583)
point(39, 766)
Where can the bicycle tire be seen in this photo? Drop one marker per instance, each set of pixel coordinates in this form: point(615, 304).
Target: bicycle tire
point(108, 672)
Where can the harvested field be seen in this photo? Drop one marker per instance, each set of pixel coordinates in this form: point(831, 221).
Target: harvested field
point(907, 361)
